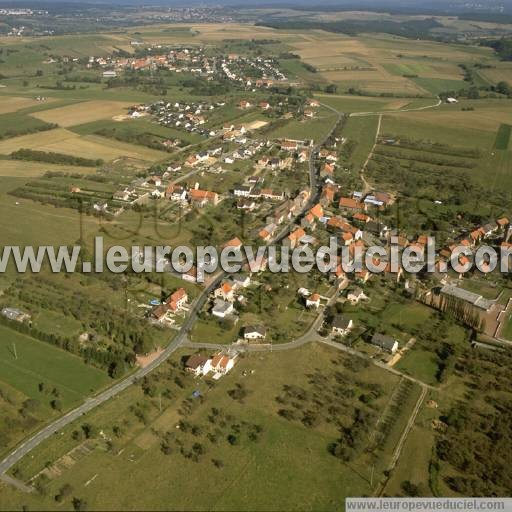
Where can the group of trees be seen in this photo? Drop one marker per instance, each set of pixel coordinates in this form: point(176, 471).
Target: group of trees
point(127, 335)
point(338, 398)
point(54, 158)
point(144, 139)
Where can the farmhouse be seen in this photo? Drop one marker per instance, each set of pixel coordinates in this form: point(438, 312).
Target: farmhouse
point(242, 191)
point(341, 325)
point(293, 238)
point(267, 232)
point(190, 276)
point(289, 145)
point(222, 308)
point(177, 300)
point(385, 342)
point(176, 193)
point(15, 314)
point(313, 301)
point(225, 292)
point(347, 203)
point(356, 295)
point(234, 243)
point(240, 280)
point(201, 198)
point(159, 313)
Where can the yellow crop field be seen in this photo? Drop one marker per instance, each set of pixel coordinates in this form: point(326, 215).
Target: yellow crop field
point(14, 103)
point(486, 119)
point(81, 113)
point(35, 140)
point(92, 146)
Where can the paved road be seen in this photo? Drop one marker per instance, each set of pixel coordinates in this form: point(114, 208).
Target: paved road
point(91, 403)
point(32, 442)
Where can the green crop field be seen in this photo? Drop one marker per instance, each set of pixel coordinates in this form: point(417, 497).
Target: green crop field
point(362, 131)
point(503, 136)
point(18, 124)
point(38, 362)
point(411, 68)
point(438, 85)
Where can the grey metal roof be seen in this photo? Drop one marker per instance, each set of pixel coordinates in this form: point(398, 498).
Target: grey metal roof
point(467, 296)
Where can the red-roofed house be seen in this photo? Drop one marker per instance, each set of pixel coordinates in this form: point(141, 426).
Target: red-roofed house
point(293, 238)
point(347, 203)
point(313, 301)
point(235, 243)
point(225, 291)
point(177, 300)
point(201, 198)
point(222, 363)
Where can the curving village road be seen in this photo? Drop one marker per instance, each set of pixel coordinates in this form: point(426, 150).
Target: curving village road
point(91, 403)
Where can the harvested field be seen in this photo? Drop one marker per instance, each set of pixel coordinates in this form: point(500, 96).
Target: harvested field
point(14, 103)
point(84, 112)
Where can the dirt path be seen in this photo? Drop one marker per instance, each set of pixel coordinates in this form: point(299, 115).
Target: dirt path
point(366, 186)
point(403, 438)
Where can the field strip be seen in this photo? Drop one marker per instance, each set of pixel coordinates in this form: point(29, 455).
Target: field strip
point(83, 112)
point(28, 169)
point(416, 109)
point(36, 140)
point(38, 375)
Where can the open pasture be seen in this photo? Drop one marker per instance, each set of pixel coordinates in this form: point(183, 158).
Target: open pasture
point(487, 116)
point(24, 169)
point(81, 113)
point(243, 474)
point(90, 146)
point(35, 223)
point(26, 362)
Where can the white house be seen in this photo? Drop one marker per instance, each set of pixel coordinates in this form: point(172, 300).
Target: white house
point(341, 325)
point(255, 332)
point(198, 365)
point(356, 295)
point(222, 363)
point(313, 301)
point(222, 308)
